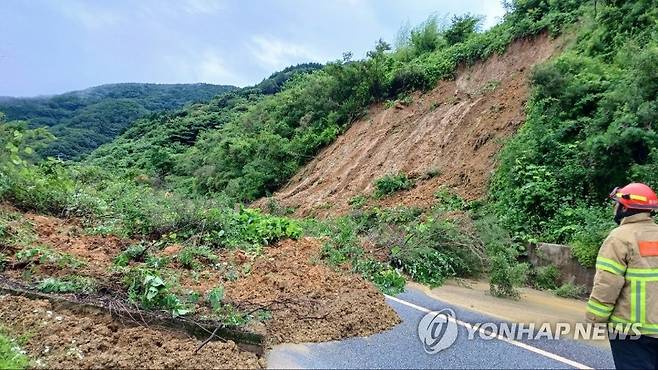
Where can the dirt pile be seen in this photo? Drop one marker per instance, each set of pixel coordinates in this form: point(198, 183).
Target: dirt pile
point(65, 340)
point(307, 300)
point(311, 302)
point(455, 130)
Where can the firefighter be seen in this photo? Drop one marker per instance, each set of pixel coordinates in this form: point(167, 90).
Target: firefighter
point(625, 288)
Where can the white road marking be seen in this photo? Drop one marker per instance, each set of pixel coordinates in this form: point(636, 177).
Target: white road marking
point(527, 347)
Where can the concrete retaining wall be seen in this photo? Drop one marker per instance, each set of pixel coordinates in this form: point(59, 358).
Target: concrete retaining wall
point(544, 254)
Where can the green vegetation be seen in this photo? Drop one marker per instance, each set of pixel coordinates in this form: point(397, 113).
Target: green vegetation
point(546, 277)
point(11, 355)
point(183, 175)
point(570, 290)
point(132, 253)
point(151, 291)
point(427, 246)
point(46, 256)
point(68, 284)
point(390, 184)
point(15, 231)
point(194, 258)
point(83, 120)
point(249, 143)
point(590, 126)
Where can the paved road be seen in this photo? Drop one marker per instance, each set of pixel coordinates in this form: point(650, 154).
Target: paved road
point(401, 348)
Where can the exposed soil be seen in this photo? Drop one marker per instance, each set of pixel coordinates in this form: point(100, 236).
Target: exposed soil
point(308, 301)
point(312, 302)
point(62, 339)
point(457, 129)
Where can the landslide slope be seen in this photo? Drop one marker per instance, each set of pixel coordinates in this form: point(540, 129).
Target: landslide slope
point(456, 129)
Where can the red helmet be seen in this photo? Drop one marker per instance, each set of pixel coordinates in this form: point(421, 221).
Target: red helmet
point(635, 196)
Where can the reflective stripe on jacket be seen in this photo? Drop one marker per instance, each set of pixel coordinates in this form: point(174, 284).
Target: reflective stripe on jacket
point(626, 283)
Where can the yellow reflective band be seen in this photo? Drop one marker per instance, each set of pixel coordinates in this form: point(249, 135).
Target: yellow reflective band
point(643, 301)
point(642, 274)
point(635, 301)
point(594, 311)
point(609, 265)
point(632, 196)
point(600, 306)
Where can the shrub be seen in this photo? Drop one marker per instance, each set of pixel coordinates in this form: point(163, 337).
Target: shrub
point(506, 273)
point(570, 290)
point(390, 184)
point(546, 277)
point(388, 280)
point(427, 266)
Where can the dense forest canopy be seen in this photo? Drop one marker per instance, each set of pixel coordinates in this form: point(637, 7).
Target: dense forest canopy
point(83, 120)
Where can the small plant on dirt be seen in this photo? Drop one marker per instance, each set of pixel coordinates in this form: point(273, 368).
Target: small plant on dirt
point(570, 290)
point(490, 86)
point(434, 105)
point(69, 284)
point(132, 253)
point(546, 277)
point(390, 184)
point(225, 311)
point(195, 258)
point(45, 256)
point(147, 288)
point(157, 262)
point(216, 297)
point(449, 201)
point(358, 201)
point(406, 100)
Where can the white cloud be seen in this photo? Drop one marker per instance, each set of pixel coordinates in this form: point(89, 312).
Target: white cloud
point(195, 7)
point(88, 15)
point(494, 12)
point(272, 53)
point(207, 66)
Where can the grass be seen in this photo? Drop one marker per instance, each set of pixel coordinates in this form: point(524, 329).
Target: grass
point(11, 355)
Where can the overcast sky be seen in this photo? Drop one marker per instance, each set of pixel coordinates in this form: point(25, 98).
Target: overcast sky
point(54, 46)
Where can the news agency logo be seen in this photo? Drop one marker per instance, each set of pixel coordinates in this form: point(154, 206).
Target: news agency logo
point(438, 330)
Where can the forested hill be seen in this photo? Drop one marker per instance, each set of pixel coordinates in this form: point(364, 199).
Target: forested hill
point(83, 120)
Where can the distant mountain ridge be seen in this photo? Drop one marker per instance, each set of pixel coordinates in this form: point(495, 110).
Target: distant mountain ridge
point(85, 119)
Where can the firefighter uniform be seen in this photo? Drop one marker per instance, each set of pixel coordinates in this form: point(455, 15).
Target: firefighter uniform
point(625, 290)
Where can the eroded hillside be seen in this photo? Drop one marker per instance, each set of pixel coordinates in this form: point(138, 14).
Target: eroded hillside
point(456, 130)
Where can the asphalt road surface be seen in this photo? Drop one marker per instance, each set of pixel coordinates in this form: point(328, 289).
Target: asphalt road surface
point(401, 347)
